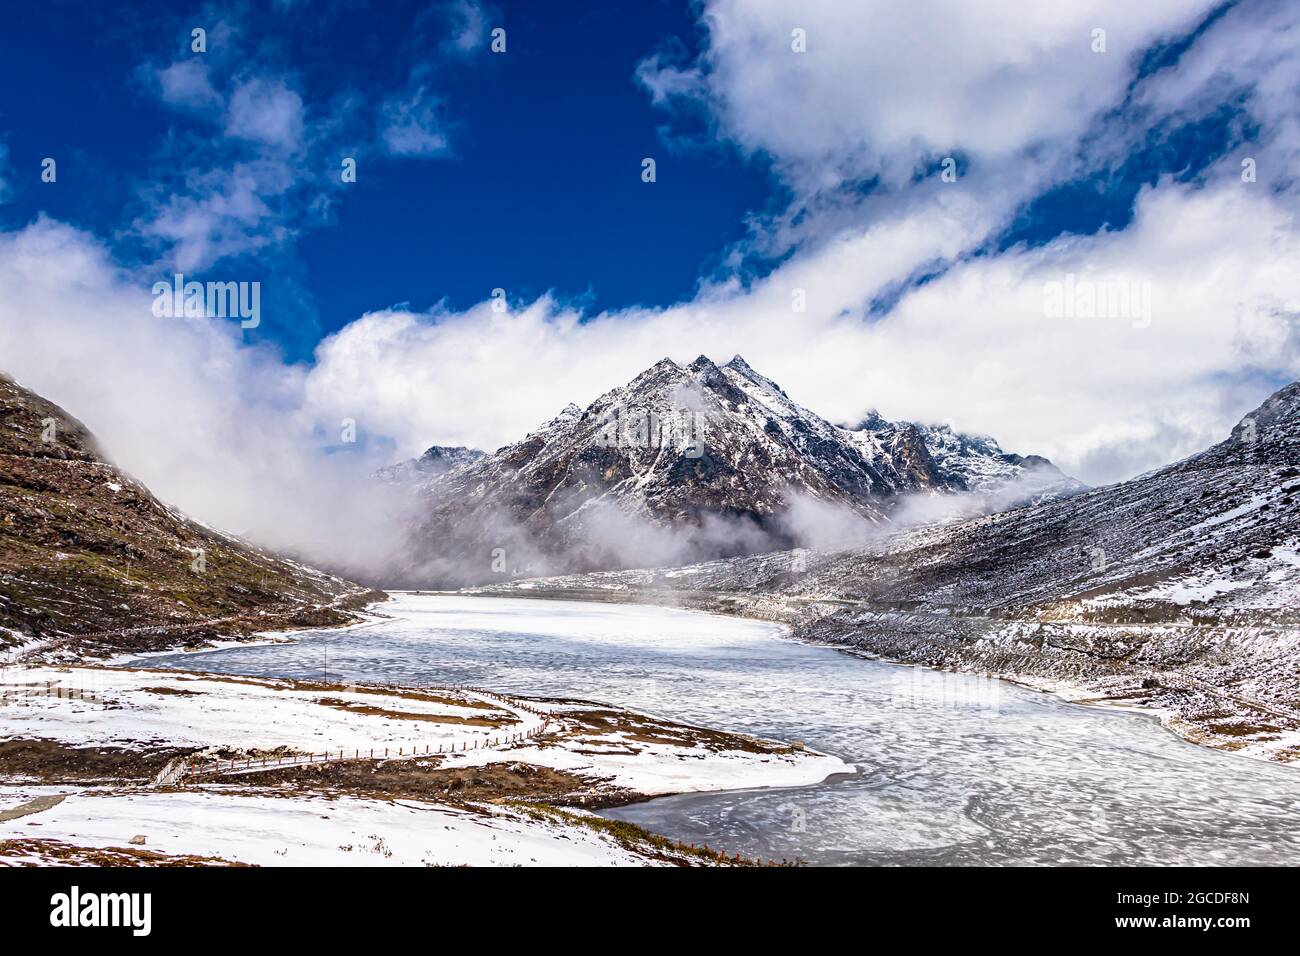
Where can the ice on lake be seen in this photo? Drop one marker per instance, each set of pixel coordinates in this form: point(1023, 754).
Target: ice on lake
point(951, 768)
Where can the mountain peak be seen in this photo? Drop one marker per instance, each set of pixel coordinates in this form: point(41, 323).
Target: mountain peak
point(27, 417)
point(738, 366)
point(722, 453)
point(439, 452)
point(871, 421)
point(569, 414)
point(663, 370)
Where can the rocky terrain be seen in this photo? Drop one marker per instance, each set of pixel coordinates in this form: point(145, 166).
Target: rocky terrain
point(1177, 589)
point(692, 462)
point(89, 556)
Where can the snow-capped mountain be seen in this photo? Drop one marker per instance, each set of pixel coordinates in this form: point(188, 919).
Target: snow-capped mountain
point(1179, 588)
point(1215, 537)
point(699, 461)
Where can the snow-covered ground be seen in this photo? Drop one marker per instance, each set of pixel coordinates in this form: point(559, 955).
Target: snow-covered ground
point(629, 761)
point(143, 708)
point(235, 818)
point(303, 831)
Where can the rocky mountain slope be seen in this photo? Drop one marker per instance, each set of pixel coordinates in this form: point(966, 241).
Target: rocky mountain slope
point(1180, 588)
point(698, 461)
point(436, 461)
point(86, 549)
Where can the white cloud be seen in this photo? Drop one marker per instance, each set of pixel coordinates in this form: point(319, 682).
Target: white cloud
point(229, 193)
point(1251, 55)
point(257, 180)
point(221, 212)
point(411, 125)
point(469, 26)
point(883, 84)
point(186, 84)
point(267, 111)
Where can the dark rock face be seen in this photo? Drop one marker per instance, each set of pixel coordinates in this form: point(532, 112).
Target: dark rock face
point(686, 463)
point(86, 548)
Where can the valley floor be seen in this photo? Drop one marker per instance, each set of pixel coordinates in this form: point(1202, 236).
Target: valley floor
point(124, 765)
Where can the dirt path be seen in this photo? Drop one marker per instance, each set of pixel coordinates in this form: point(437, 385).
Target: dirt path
point(31, 806)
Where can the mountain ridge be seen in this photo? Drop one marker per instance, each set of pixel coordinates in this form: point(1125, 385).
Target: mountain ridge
point(686, 462)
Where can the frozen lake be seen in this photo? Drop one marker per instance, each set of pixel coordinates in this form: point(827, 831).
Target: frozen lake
point(951, 768)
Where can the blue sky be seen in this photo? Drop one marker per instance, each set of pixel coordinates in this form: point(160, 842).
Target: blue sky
point(539, 187)
point(802, 216)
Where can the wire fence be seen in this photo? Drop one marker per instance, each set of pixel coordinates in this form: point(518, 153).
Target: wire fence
point(177, 770)
point(254, 764)
point(180, 768)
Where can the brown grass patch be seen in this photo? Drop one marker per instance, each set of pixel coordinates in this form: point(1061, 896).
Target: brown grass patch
point(369, 710)
point(50, 761)
point(423, 779)
point(172, 691)
point(289, 683)
point(638, 728)
point(57, 853)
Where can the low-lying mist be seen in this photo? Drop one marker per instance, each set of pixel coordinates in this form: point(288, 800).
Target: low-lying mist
point(489, 545)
